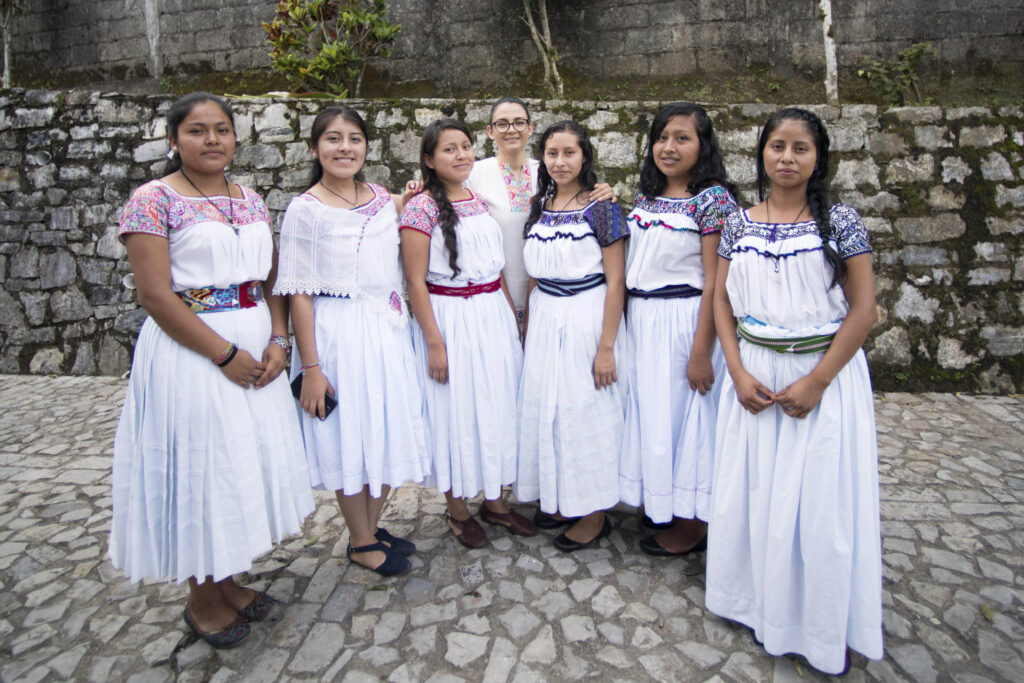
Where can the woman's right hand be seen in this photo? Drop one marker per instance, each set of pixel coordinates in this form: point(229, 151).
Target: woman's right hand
point(437, 362)
point(751, 394)
point(314, 387)
point(243, 369)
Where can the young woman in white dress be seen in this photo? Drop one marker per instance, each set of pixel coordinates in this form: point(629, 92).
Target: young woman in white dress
point(673, 358)
point(571, 404)
point(208, 463)
point(465, 337)
point(793, 542)
point(340, 265)
point(506, 183)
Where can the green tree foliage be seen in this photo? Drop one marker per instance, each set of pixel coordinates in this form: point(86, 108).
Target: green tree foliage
point(895, 80)
point(323, 45)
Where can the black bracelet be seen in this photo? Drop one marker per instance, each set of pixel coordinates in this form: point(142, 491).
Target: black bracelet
point(228, 358)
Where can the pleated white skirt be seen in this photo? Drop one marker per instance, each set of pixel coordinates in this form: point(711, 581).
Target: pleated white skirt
point(570, 434)
point(669, 443)
point(471, 420)
point(794, 540)
point(207, 475)
point(376, 435)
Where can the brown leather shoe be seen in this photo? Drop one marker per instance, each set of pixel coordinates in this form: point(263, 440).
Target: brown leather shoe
point(511, 520)
point(468, 531)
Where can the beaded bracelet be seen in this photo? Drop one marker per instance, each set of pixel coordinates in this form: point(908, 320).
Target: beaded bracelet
point(280, 341)
point(226, 356)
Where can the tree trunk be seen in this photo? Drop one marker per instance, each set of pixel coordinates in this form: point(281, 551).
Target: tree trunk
point(831, 69)
point(5, 25)
point(542, 41)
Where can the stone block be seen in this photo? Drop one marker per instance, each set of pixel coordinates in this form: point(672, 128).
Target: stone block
point(982, 136)
point(10, 179)
point(64, 218)
point(912, 304)
point(394, 118)
point(109, 110)
point(988, 276)
point(1004, 340)
point(954, 169)
point(42, 177)
point(150, 151)
point(738, 140)
point(426, 115)
point(916, 114)
point(25, 262)
point(935, 228)
point(1013, 196)
point(877, 226)
point(259, 156)
point(32, 118)
point(108, 246)
point(951, 354)
point(995, 167)
point(46, 361)
point(56, 269)
point(847, 135)
point(404, 147)
point(113, 358)
point(600, 120)
point(853, 174)
point(907, 170)
point(994, 252)
point(11, 314)
point(932, 137)
point(881, 202)
point(924, 256)
point(69, 304)
point(616, 150)
point(886, 144)
point(942, 198)
point(74, 173)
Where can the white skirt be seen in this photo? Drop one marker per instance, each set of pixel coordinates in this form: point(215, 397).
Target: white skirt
point(471, 420)
point(207, 475)
point(376, 435)
point(570, 434)
point(669, 443)
point(794, 540)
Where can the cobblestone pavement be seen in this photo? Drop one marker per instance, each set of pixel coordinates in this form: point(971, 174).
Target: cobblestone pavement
point(953, 526)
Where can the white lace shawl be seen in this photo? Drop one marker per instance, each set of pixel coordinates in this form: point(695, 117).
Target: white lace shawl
point(346, 253)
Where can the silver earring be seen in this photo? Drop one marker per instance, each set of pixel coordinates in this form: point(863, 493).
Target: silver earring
point(170, 153)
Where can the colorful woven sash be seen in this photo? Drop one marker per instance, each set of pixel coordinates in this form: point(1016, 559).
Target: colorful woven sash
point(570, 287)
point(666, 292)
point(212, 300)
point(465, 292)
point(797, 345)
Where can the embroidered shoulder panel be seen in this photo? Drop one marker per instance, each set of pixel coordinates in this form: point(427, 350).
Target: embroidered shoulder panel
point(706, 211)
point(156, 209)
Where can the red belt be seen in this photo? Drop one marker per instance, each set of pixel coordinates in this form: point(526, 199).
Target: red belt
point(465, 292)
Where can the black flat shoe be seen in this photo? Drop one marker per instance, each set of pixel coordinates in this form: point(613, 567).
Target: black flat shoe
point(543, 520)
point(651, 524)
point(394, 562)
point(400, 544)
point(567, 545)
point(650, 545)
point(229, 636)
point(258, 609)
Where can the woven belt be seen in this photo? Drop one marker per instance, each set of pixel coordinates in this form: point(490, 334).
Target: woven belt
point(465, 292)
point(211, 300)
point(667, 292)
point(570, 287)
point(798, 345)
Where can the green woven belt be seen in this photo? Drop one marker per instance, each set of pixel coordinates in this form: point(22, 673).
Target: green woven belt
point(813, 344)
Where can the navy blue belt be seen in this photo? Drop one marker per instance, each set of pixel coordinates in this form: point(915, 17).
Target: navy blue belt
point(570, 287)
point(667, 292)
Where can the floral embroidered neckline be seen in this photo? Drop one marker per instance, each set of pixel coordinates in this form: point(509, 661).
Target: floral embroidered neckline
point(520, 191)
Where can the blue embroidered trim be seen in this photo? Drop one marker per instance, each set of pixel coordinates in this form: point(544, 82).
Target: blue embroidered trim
point(558, 234)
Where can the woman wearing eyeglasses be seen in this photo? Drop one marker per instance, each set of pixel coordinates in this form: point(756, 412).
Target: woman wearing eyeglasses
point(506, 182)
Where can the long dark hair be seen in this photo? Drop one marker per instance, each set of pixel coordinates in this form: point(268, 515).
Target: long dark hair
point(320, 123)
point(179, 111)
point(817, 185)
point(709, 169)
point(447, 218)
point(546, 187)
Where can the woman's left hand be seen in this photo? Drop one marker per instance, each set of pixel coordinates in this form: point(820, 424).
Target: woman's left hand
point(601, 192)
point(604, 368)
point(274, 359)
point(411, 188)
point(800, 397)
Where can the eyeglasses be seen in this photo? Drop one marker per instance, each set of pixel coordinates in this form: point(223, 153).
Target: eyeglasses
point(502, 126)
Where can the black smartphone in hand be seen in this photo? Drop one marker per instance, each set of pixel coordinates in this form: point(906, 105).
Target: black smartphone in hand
point(330, 403)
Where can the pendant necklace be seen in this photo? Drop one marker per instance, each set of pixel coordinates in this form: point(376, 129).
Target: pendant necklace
point(231, 204)
point(571, 200)
point(340, 196)
point(768, 213)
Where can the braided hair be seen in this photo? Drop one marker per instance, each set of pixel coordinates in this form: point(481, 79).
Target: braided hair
point(546, 186)
point(817, 185)
point(320, 124)
point(179, 111)
point(432, 184)
point(709, 169)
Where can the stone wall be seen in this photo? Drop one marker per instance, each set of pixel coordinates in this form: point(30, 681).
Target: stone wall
point(941, 191)
point(461, 45)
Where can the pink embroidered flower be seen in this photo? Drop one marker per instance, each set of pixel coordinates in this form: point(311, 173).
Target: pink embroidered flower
point(396, 302)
